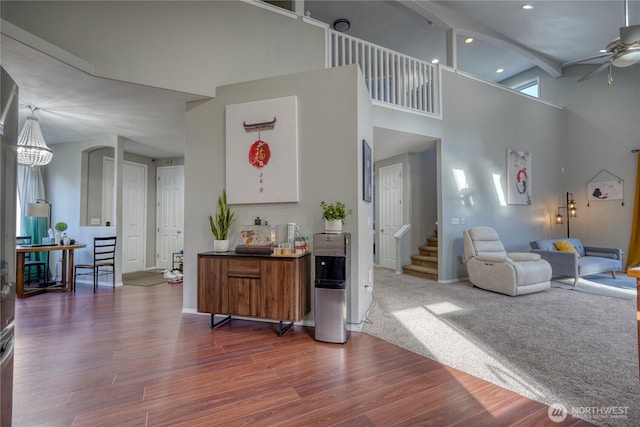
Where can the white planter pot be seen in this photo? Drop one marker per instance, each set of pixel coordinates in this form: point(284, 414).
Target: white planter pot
point(221, 246)
point(333, 226)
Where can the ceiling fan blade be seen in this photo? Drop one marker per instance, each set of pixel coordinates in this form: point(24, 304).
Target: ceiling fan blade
point(595, 71)
point(577, 61)
point(630, 34)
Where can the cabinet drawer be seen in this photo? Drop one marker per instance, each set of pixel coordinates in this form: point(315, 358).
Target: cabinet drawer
point(244, 268)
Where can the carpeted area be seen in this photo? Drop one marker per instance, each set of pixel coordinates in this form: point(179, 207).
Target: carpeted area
point(143, 278)
point(621, 280)
point(555, 346)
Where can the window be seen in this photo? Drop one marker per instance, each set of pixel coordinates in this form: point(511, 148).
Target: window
point(530, 87)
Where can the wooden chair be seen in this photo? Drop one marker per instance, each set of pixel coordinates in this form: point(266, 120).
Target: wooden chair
point(30, 263)
point(104, 262)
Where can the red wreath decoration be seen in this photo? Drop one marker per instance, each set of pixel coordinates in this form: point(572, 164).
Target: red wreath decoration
point(259, 154)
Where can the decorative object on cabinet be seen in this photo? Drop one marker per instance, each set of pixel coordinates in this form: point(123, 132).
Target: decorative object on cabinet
point(518, 177)
point(221, 224)
point(262, 169)
point(334, 215)
point(257, 239)
point(367, 184)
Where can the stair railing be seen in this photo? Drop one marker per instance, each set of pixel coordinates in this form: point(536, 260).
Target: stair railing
point(393, 79)
point(402, 246)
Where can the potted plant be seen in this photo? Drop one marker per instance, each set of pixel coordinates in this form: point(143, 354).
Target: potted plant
point(334, 215)
point(60, 227)
point(220, 224)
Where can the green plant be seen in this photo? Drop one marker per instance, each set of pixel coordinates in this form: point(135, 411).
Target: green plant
point(221, 224)
point(61, 226)
point(334, 211)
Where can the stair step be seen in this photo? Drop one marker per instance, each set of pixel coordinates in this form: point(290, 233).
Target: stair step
point(425, 261)
point(429, 251)
point(432, 242)
point(421, 271)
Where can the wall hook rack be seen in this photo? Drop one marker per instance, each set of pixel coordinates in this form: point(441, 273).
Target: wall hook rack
point(254, 127)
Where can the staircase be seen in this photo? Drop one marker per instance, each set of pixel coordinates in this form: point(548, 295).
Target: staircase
point(425, 265)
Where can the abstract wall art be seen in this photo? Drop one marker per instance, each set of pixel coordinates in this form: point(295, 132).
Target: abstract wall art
point(518, 177)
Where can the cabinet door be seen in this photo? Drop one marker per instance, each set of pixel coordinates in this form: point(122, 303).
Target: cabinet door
point(244, 296)
point(213, 289)
point(279, 290)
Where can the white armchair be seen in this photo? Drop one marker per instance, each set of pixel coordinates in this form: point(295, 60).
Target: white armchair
point(490, 267)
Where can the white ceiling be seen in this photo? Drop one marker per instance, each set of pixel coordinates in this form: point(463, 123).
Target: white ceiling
point(76, 106)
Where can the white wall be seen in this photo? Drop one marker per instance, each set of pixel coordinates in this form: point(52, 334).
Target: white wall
point(63, 178)
point(480, 121)
point(330, 128)
point(602, 126)
point(214, 43)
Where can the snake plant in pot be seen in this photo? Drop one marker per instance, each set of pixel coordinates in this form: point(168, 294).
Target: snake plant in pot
point(220, 224)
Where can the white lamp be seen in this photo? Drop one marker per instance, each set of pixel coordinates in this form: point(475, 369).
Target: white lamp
point(41, 208)
point(32, 150)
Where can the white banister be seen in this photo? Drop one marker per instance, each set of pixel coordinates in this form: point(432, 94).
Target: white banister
point(391, 77)
point(400, 244)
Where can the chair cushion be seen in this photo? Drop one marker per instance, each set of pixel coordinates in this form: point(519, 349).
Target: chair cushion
point(565, 246)
point(486, 241)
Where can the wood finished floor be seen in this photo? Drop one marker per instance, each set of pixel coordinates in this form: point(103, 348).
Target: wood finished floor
point(129, 357)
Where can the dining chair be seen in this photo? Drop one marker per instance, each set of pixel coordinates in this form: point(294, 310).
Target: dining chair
point(29, 263)
point(104, 262)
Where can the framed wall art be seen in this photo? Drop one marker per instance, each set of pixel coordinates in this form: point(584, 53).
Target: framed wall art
point(367, 166)
point(262, 151)
point(518, 177)
point(605, 186)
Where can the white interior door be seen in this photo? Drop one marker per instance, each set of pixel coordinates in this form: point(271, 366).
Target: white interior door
point(390, 212)
point(170, 216)
point(134, 215)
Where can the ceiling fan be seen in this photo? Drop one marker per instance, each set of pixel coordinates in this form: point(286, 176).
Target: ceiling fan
point(622, 52)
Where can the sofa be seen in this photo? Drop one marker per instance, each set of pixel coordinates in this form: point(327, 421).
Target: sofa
point(582, 261)
point(490, 267)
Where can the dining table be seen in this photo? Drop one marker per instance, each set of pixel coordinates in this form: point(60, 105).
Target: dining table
point(66, 281)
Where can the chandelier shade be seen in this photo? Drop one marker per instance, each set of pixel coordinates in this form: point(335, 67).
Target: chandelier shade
point(32, 149)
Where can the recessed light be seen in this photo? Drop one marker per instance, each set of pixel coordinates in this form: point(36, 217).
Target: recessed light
point(499, 70)
point(527, 6)
point(468, 40)
point(435, 61)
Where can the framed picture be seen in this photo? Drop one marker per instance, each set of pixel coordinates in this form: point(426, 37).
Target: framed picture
point(518, 177)
point(262, 151)
point(604, 190)
point(367, 184)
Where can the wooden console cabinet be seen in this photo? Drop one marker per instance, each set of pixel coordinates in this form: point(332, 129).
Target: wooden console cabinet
point(253, 285)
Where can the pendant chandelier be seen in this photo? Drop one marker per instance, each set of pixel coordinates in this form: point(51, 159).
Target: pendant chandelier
point(32, 150)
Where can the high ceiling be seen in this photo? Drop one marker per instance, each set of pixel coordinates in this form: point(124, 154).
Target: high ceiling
point(76, 106)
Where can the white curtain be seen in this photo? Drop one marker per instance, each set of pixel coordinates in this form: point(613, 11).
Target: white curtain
point(30, 189)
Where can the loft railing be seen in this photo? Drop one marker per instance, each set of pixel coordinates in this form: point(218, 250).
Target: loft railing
point(392, 78)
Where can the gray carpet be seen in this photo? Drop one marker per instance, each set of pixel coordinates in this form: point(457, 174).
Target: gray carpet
point(143, 278)
point(557, 346)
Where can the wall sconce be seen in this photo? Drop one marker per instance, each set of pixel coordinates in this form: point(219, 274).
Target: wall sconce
point(572, 212)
